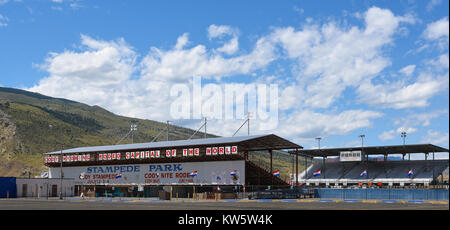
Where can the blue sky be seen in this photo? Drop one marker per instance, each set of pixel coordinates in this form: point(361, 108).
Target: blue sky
point(343, 68)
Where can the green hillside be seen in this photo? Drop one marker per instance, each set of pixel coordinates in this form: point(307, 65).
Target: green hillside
point(32, 124)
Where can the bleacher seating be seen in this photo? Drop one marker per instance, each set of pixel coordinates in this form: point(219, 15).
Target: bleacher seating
point(424, 172)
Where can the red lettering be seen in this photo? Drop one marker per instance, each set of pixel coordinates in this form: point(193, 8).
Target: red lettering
point(181, 175)
point(151, 175)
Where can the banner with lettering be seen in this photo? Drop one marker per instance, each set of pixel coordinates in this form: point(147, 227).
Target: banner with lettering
point(207, 173)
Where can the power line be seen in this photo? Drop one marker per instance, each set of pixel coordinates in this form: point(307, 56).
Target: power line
point(204, 124)
point(248, 123)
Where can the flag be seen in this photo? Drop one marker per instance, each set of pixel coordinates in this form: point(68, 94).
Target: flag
point(276, 173)
point(363, 173)
point(410, 172)
point(233, 173)
point(193, 174)
point(316, 173)
point(119, 176)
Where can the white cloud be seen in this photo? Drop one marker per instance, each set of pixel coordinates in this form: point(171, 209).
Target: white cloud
point(221, 31)
point(231, 47)
point(74, 4)
point(301, 126)
point(58, 8)
point(392, 134)
point(182, 41)
point(182, 64)
point(438, 29)
point(101, 73)
point(387, 135)
point(2, 2)
point(420, 119)
point(433, 3)
point(436, 137)
point(98, 74)
point(401, 95)
point(327, 59)
point(440, 63)
point(100, 64)
point(408, 70)
point(333, 58)
point(215, 31)
point(3, 21)
point(310, 124)
point(298, 10)
point(406, 129)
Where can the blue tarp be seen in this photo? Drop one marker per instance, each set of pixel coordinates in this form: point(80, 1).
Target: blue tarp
point(379, 194)
point(8, 187)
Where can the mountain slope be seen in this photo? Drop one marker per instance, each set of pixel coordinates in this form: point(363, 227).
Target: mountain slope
point(32, 124)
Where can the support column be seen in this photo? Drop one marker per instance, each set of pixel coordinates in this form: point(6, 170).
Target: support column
point(296, 167)
point(306, 168)
point(270, 152)
point(271, 168)
point(433, 167)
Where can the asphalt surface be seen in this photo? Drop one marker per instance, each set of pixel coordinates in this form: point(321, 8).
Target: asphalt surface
point(154, 204)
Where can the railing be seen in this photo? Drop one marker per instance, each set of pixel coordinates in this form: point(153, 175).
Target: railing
point(260, 166)
point(283, 193)
point(396, 194)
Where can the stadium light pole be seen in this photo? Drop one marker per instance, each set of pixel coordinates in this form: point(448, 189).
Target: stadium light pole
point(133, 128)
point(362, 153)
point(205, 128)
point(60, 168)
point(403, 136)
point(167, 134)
point(318, 139)
point(248, 123)
point(404, 141)
point(362, 140)
point(323, 158)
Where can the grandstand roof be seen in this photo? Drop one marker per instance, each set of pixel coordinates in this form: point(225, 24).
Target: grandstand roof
point(250, 143)
point(375, 150)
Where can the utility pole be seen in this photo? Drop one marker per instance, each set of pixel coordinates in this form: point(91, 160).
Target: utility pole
point(323, 157)
point(61, 172)
point(404, 137)
point(318, 139)
point(362, 153)
point(167, 134)
point(61, 165)
point(248, 123)
point(205, 128)
point(133, 128)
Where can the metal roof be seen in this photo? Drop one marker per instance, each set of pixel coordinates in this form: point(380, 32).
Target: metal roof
point(376, 150)
point(269, 141)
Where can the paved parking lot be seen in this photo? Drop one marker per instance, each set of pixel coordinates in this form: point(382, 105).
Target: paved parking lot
point(155, 204)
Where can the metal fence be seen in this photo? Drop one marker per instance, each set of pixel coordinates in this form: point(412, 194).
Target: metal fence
point(394, 194)
point(290, 193)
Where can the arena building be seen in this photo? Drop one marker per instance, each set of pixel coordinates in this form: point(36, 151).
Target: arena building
point(181, 167)
point(352, 166)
